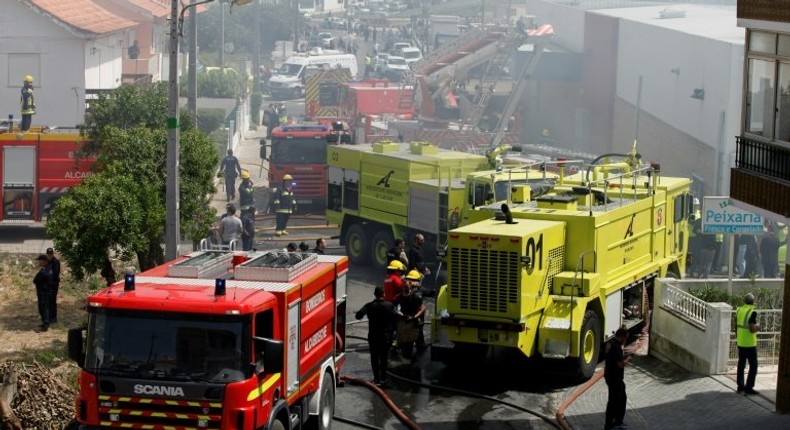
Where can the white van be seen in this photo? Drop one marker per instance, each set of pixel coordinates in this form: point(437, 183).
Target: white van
point(411, 55)
point(289, 79)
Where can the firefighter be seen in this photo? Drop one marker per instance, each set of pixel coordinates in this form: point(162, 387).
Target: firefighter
point(283, 115)
point(230, 165)
point(398, 252)
point(284, 203)
point(381, 316)
point(393, 284)
point(413, 280)
point(54, 264)
point(409, 303)
point(28, 103)
point(246, 188)
point(43, 283)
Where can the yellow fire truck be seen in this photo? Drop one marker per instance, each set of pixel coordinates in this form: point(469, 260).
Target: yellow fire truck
point(388, 190)
point(556, 275)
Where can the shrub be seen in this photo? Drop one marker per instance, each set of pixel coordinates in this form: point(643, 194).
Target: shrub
point(210, 119)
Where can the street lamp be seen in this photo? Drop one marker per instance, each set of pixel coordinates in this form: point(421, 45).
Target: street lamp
point(172, 192)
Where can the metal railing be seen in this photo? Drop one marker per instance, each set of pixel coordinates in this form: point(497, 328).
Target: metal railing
point(764, 158)
point(684, 305)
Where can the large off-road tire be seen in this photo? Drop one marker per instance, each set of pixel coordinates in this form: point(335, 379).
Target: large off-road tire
point(326, 407)
point(589, 345)
point(357, 245)
point(381, 243)
point(278, 425)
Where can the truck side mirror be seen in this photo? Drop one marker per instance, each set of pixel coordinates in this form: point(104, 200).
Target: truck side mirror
point(76, 352)
point(271, 356)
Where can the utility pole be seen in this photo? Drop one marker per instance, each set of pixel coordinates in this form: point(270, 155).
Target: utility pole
point(192, 84)
point(172, 193)
point(222, 37)
point(297, 18)
point(256, 43)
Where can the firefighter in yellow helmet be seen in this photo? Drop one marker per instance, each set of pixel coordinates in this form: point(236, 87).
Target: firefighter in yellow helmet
point(28, 103)
point(246, 188)
point(411, 313)
point(284, 204)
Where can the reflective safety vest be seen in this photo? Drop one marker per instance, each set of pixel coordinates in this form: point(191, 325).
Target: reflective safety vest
point(246, 198)
point(284, 201)
point(27, 102)
point(745, 337)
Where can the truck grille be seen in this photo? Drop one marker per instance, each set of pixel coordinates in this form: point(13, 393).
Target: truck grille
point(146, 413)
point(483, 280)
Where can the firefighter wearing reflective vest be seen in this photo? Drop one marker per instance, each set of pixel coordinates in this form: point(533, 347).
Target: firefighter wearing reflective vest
point(246, 188)
point(284, 203)
point(28, 103)
point(746, 318)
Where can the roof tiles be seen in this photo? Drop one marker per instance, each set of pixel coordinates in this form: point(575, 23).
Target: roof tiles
point(83, 15)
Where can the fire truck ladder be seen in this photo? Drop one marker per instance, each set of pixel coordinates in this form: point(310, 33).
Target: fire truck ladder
point(432, 62)
point(539, 38)
point(491, 76)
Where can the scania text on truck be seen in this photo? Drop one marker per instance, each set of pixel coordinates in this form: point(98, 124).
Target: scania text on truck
point(389, 190)
point(199, 344)
point(300, 151)
point(37, 167)
point(554, 276)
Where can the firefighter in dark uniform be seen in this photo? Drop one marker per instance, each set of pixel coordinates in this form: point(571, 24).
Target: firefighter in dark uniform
point(43, 283)
point(381, 316)
point(284, 204)
point(28, 103)
point(246, 189)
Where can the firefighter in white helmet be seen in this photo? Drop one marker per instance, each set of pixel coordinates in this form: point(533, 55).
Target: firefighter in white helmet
point(284, 204)
point(28, 103)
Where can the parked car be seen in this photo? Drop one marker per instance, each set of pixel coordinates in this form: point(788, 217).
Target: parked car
point(396, 67)
point(380, 62)
point(411, 55)
point(333, 22)
point(327, 40)
point(397, 46)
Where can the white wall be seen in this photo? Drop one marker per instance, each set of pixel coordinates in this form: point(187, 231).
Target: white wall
point(713, 65)
point(23, 31)
point(103, 62)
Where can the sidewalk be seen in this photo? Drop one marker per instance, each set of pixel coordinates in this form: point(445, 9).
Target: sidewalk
point(663, 396)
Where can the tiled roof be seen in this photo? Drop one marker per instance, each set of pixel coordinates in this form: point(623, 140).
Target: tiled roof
point(159, 9)
point(83, 15)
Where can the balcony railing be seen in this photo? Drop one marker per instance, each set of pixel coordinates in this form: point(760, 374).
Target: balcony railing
point(763, 158)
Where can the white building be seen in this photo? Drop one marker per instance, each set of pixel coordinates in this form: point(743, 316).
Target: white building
point(682, 66)
point(68, 46)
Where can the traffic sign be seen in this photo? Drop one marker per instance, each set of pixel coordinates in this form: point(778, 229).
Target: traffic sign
point(719, 215)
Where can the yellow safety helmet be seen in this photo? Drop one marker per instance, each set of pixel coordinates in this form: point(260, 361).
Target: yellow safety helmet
point(28, 79)
point(245, 174)
point(414, 275)
point(396, 265)
point(287, 177)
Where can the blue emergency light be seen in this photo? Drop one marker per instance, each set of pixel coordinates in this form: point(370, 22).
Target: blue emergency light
point(128, 282)
point(219, 287)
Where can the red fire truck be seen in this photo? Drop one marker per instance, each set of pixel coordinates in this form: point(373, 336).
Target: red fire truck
point(215, 340)
point(37, 167)
point(300, 150)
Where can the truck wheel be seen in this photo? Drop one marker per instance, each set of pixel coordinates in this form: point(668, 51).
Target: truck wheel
point(326, 409)
point(589, 345)
point(357, 245)
point(381, 243)
point(278, 425)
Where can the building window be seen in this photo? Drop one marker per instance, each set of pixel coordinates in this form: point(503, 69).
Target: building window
point(759, 98)
point(767, 95)
point(783, 103)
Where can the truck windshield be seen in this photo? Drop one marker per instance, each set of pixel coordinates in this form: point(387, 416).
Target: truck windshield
point(179, 347)
point(299, 151)
point(289, 69)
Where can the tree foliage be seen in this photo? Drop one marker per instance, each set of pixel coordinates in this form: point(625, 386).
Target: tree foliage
point(121, 208)
point(128, 107)
point(276, 24)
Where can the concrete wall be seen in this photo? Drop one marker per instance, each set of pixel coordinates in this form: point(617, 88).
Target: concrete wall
point(683, 133)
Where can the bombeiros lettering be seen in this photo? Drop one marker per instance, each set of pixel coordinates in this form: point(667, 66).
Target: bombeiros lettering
point(158, 390)
point(314, 301)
